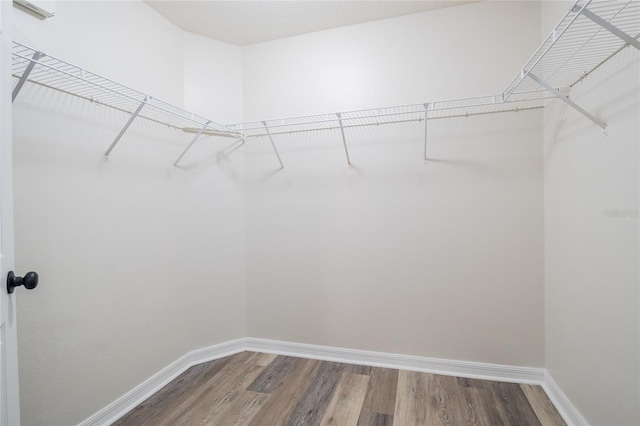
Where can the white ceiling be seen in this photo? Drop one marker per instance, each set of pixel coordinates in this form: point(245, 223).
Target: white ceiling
point(249, 22)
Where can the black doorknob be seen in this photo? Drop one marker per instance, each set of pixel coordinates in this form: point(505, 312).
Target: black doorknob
point(30, 281)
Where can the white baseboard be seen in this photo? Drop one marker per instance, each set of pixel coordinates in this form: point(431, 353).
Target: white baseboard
point(564, 406)
point(134, 397)
point(476, 370)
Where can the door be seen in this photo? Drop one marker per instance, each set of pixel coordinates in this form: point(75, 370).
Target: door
point(9, 396)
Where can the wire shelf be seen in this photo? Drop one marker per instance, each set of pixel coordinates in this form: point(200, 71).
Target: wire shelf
point(62, 76)
point(588, 35)
point(578, 45)
point(466, 107)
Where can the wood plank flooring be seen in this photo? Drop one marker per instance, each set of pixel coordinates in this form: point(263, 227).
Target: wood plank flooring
point(259, 389)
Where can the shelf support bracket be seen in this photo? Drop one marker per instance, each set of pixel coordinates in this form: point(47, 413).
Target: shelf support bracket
point(195, 138)
point(32, 63)
point(126, 126)
point(608, 26)
point(426, 108)
point(344, 140)
point(264, 123)
point(566, 100)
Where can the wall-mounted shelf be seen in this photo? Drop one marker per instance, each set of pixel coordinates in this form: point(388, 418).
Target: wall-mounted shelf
point(426, 112)
point(30, 65)
point(587, 36)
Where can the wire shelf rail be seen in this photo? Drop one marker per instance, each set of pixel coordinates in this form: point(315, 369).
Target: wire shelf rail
point(31, 65)
point(589, 34)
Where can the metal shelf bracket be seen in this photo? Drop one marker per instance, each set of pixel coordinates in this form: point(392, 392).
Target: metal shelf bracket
point(426, 110)
point(126, 126)
point(568, 101)
point(195, 138)
point(608, 26)
point(36, 56)
point(344, 140)
point(264, 123)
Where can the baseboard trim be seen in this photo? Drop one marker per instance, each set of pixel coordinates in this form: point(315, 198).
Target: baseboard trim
point(134, 397)
point(475, 370)
point(567, 410)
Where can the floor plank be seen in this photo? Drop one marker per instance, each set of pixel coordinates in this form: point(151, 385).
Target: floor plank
point(367, 418)
point(512, 404)
point(240, 411)
point(381, 395)
point(253, 388)
point(346, 404)
point(217, 391)
point(274, 374)
point(445, 405)
point(542, 406)
point(279, 406)
point(411, 399)
point(315, 400)
point(184, 383)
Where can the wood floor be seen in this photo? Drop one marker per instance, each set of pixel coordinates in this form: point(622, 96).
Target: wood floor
point(252, 388)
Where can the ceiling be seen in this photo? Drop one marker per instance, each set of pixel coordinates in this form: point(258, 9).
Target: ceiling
point(249, 22)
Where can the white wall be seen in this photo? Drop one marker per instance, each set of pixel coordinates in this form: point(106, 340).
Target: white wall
point(448, 53)
point(138, 264)
point(212, 78)
point(591, 251)
point(443, 259)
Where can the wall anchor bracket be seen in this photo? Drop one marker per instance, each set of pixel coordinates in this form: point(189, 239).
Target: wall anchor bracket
point(195, 138)
point(264, 123)
point(344, 140)
point(568, 101)
point(32, 63)
point(126, 126)
point(426, 110)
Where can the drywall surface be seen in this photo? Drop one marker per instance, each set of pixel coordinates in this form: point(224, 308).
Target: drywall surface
point(212, 78)
point(441, 259)
point(458, 52)
point(591, 243)
point(139, 264)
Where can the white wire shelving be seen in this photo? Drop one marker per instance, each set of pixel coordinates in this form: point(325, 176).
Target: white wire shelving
point(424, 112)
point(35, 67)
point(587, 36)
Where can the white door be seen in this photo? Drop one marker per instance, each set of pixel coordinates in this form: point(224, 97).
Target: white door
point(9, 396)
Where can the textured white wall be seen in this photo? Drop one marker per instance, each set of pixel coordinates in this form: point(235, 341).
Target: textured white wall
point(591, 242)
point(443, 259)
point(139, 264)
